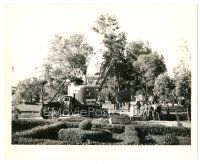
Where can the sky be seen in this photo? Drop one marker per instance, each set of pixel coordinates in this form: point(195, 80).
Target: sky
point(31, 27)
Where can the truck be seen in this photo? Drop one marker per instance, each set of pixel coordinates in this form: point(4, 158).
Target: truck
point(81, 99)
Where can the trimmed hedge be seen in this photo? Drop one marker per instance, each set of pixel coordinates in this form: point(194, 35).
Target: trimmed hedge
point(100, 121)
point(32, 141)
point(120, 119)
point(130, 137)
point(168, 139)
point(113, 128)
point(85, 125)
point(46, 131)
point(25, 124)
point(162, 130)
point(75, 136)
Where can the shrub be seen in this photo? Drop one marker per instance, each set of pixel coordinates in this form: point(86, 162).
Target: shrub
point(32, 141)
point(113, 128)
point(168, 139)
point(131, 137)
point(121, 119)
point(24, 124)
point(148, 140)
point(75, 136)
point(100, 121)
point(46, 131)
point(85, 125)
point(162, 130)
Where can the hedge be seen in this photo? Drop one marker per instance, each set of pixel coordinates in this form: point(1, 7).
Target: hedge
point(120, 119)
point(74, 136)
point(162, 130)
point(100, 121)
point(46, 131)
point(168, 139)
point(25, 124)
point(130, 136)
point(113, 128)
point(85, 125)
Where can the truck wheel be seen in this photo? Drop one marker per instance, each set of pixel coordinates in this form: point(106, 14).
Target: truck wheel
point(45, 113)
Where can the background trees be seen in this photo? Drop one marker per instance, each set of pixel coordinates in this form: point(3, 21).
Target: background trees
point(29, 90)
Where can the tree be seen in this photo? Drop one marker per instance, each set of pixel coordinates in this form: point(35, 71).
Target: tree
point(147, 68)
point(183, 90)
point(71, 55)
point(137, 48)
point(114, 42)
point(69, 59)
point(29, 90)
point(182, 74)
point(164, 87)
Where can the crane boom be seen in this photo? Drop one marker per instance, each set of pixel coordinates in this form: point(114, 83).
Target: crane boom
point(104, 76)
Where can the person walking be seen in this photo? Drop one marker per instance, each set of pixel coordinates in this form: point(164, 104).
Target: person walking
point(150, 111)
point(132, 110)
point(155, 106)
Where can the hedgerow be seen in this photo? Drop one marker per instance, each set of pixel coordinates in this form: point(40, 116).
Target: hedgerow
point(114, 128)
point(130, 136)
point(46, 131)
point(85, 125)
point(76, 136)
point(162, 130)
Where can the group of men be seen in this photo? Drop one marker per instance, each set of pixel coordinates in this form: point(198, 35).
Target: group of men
point(151, 110)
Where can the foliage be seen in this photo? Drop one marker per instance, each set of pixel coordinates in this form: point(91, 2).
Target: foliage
point(33, 141)
point(162, 130)
point(120, 119)
point(115, 128)
point(20, 125)
point(45, 131)
point(168, 139)
point(148, 67)
point(28, 90)
point(131, 137)
point(68, 60)
point(114, 42)
point(163, 87)
point(137, 48)
point(85, 125)
point(75, 136)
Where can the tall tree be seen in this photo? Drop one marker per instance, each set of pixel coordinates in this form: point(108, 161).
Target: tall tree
point(148, 67)
point(164, 87)
point(114, 42)
point(69, 59)
point(182, 74)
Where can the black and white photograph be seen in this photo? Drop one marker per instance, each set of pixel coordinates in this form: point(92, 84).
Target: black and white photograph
point(101, 74)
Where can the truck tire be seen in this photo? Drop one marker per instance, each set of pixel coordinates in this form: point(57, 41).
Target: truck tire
point(45, 113)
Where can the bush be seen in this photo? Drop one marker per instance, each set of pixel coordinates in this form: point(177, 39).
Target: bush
point(162, 130)
point(168, 139)
point(85, 125)
point(32, 141)
point(46, 131)
point(113, 128)
point(100, 121)
point(121, 119)
point(131, 137)
point(25, 124)
point(75, 136)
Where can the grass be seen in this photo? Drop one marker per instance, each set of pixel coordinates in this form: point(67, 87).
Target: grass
point(29, 108)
